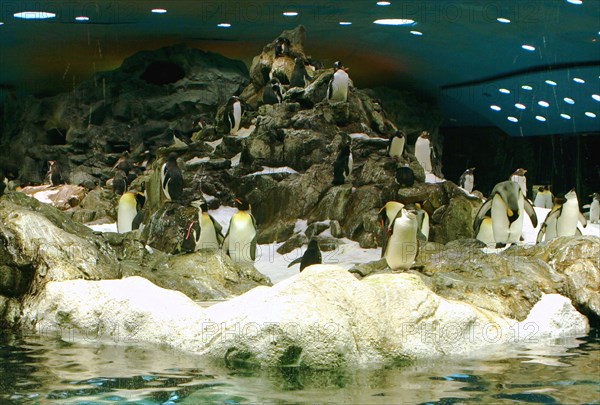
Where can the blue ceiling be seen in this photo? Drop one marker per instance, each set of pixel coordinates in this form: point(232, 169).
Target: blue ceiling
point(462, 59)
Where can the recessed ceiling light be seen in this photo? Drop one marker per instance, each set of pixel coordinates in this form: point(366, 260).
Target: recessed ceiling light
point(383, 3)
point(495, 108)
point(578, 2)
point(540, 118)
point(504, 91)
point(224, 25)
point(566, 116)
point(417, 33)
point(503, 20)
point(513, 119)
point(544, 103)
point(394, 21)
point(159, 10)
point(1, 23)
point(590, 114)
point(578, 80)
point(551, 82)
point(345, 23)
point(82, 18)
point(569, 100)
point(596, 97)
point(520, 106)
point(290, 13)
point(529, 48)
point(34, 15)
point(526, 87)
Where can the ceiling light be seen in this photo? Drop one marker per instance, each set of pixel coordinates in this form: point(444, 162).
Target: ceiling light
point(540, 118)
point(577, 2)
point(504, 91)
point(1, 23)
point(526, 87)
point(417, 33)
point(569, 100)
point(34, 15)
point(224, 25)
point(495, 108)
point(551, 82)
point(82, 18)
point(513, 119)
point(503, 20)
point(520, 106)
point(590, 114)
point(578, 80)
point(529, 48)
point(596, 97)
point(383, 3)
point(290, 13)
point(394, 21)
point(566, 116)
point(345, 23)
point(544, 103)
point(159, 10)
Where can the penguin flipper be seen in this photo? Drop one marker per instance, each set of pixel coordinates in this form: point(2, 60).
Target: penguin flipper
point(578, 232)
point(530, 211)
point(582, 220)
point(295, 261)
point(253, 249)
point(552, 216)
point(218, 230)
point(541, 233)
point(481, 214)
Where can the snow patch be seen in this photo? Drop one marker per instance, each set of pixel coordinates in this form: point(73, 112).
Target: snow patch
point(273, 170)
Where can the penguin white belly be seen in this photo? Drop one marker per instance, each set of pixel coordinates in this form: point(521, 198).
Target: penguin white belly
point(504, 231)
point(549, 203)
point(522, 182)
point(350, 163)
point(594, 212)
point(423, 153)
point(540, 200)
point(241, 235)
point(126, 212)
point(469, 183)
point(208, 234)
point(397, 147)
point(402, 245)
point(339, 86)
point(486, 233)
point(550, 228)
point(237, 117)
point(566, 224)
point(425, 226)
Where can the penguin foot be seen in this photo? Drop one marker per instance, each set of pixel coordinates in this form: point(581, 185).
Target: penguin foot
point(417, 267)
point(500, 245)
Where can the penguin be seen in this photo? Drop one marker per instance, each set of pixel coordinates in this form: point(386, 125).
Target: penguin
point(540, 198)
point(338, 86)
point(203, 233)
point(124, 164)
point(299, 74)
point(342, 166)
point(507, 204)
point(3, 183)
point(401, 247)
point(423, 151)
point(548, 198)
point(595, 208)
point(422, 222)
point(486, 231)
point(240, 240)
point(282, 47)
point(562, 221)
point(171, 179)
point(54, 174)
point(386, 215)
point(129, 211)
point(405, 177)
point(467, 180)
point(519, 177)
point(233, 112)
point(273, 93)
point(396, 144)
point(119, 182)
point(311, 256)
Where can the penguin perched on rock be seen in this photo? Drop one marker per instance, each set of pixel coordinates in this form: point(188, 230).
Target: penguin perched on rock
point(233, 114)
point(54, 173)
point(342, 166)
point(401, 245)
point(507, 204)
point(595, 208)
point(124, 164)
point(119, 182)
point(311, 256)
point(562, 221)
point(240, 240)
point(129, 211)
point(423, 151)
point(386, 215)
point(204, 232)
point(467, 180)
point(282, 47)
point(519, 177)
point(273, 92)
point(422, 223)
point(299, 75)
point(396, 144)
point(171, 179)
point(338, 86)
point(486, 231)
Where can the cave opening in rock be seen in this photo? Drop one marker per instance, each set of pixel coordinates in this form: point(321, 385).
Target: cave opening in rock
point(56, 136)
point(161, 73)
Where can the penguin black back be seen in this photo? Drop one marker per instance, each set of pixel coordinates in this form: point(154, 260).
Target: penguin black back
point(311, 256)
point(54, 173)
point(299, 74)
point(341, 168)
point(272, 93)
point(172, 179)
point(282, 47)
point(119, 183)
point(140, 200)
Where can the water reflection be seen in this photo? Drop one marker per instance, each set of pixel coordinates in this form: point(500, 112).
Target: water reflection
point(41, 370)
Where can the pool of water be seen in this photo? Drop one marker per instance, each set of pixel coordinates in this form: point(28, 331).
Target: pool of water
point(44, 370)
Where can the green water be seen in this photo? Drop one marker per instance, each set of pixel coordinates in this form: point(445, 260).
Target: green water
point(38, 370)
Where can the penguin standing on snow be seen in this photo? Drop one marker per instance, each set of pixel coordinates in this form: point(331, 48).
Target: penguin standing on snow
point(54, 173)
point(486, 231)
point(273, 93)
point(386, 215)
point(507, 204)
point(595, 208)
point(519, 177)
point(311, 256)
point(129, 211)
point(338, 86)
point(401, 247)
point(467, 180)
point(233, 114)
point(299, 74)
point(204, 232)
point(562, 221)
point(171, 179)
point(423, 151)
point(240, 241)
point(342, 167)
point(396, 144)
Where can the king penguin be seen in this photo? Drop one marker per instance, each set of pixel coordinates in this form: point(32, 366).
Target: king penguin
point(386, 215)
point(54, 173)
point(396, 144)
point(507, 204)
point(540, 199)
point(129, 211)
point(311, 256)
point(423, 151)
point(467, 180)
point(273, 93)
point(563, 219)
point(299, 76)
point(240, 240)
point(595, 208)
point(233, 113)
point(204, 232)
point(342, 167)
point(338, 86)
point(401, 247)
point(171, 179)
point(519, 177)
point(486, 232)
